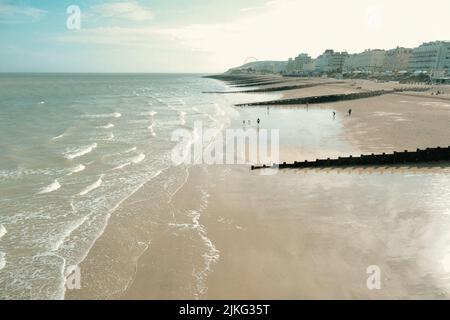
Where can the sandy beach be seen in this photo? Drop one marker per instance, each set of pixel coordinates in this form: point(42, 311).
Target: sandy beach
point(230, 233)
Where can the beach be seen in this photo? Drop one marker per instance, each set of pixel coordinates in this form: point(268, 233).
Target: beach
point(232, 233)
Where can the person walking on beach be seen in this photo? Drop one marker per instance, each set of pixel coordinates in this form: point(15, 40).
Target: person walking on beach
point(334, 115)
point(243, 123)
point(349, 112)
point(258, 121)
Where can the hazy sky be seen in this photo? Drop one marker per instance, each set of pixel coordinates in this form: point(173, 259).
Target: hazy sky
point(205, 35)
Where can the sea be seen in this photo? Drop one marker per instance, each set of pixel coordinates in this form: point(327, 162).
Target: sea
point(73, 147)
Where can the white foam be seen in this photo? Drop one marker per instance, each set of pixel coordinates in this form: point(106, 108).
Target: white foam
point(2, 231)
point(91, 187)
point(104, 115)
point(148, 113)
point(41, 102)
point(130, 150)
point(126, 164)
point(181, 115)
point(58, 137)
point(152, 131)
point(109, 137)
point(2, 260)
point(76, 169)
point(137, 159)
point(108, 126)
point(219, 110)
point(81, 151)
point(50, 188)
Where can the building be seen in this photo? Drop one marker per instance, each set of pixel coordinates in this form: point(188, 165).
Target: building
point(330, 61)
point(397, 59)
point(298, 64)
point(432, 58)
point(367, 61)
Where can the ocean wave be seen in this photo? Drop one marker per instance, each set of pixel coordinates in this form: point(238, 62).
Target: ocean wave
point(2, 260)
point(58, 137)
point(50, 188)
point(130, 150)
point(91, 187)
point(181, 116)
point(76, 169)
point(152, 131)
point(137, 159)
point(148, 113)
point(126, 164)
point(104, 115)
point(139, 121)
point(81, 151)
point(109, 137)
point(108, 126)
point(3, 231)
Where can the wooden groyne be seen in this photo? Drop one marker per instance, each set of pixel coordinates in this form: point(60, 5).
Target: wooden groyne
point(280, 88)
point(405, 157)
point(260, 83)
point(329, 98)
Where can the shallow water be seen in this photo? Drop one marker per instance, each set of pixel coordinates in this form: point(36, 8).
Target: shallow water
point(73, 148)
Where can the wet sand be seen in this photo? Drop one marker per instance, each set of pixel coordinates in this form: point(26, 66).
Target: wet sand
point(312, 234)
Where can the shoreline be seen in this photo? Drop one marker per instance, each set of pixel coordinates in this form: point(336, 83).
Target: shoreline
point(249, 255)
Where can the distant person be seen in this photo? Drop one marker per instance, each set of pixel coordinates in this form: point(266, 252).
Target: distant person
point(334, 114)
point(243, 123)
point(258, 121)
point(349, 112)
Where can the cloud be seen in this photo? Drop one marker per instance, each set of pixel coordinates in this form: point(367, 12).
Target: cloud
point(10, 13)
point(114, 36)
point(131, 11)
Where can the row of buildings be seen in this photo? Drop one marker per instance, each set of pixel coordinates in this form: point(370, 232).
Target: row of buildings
point(432, 58)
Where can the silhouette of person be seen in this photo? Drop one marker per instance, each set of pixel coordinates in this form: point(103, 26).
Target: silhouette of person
point(334, 114)
point(258, 121)
point(349, 112)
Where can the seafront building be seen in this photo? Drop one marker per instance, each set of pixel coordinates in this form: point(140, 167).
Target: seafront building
point(397, 60)
point(367, 61)
point(432, 58)
point(298, 64)
point(331, 61)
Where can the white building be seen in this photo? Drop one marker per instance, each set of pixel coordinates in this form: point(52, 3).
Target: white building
point(431, 57)
point(369, 61)
point(298, 64)
point(330, 61)
point(397, 59)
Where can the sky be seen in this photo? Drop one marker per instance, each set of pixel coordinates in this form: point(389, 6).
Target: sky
point(204, 35)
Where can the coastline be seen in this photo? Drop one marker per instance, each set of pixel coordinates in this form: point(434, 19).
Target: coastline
point(206, 245)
